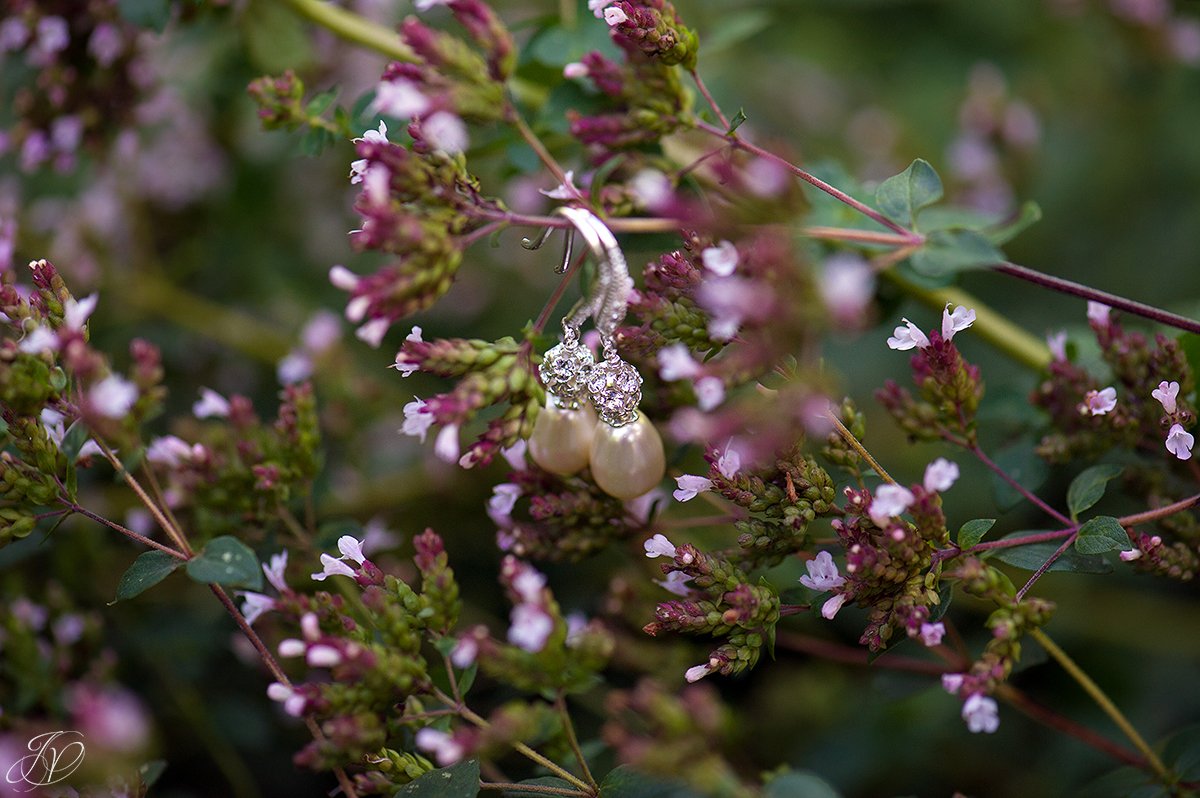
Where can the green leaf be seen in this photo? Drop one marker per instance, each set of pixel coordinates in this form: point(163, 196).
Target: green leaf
point(1033, 556)
point(1182, 753)
point(1088, 488)
point(902, 196)
point(973, 531)
point(226, 561)
point(74, 439)
point(316, 141)
point(58, 378)
point(540, 781)
point(1100, 534)
point(625, 782)
point(318, 104)
point(737, 121)
point(1030, 214)
point(150, 568)
point(467, 678)
point(950, 251)
point(457, 781)
point(154, 14)
point(799, 784)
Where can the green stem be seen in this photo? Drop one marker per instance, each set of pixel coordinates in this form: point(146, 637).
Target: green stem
point(857, 446)
point(533, 789)
point(354, 28)
point(1104, 702)
point(569, 729)
point(1001, 333)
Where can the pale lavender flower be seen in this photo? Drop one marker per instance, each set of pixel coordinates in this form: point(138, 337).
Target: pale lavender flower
point(29, 613)
point(932, 633)
point(351, 549)
point(614, 16)
point(721, 260)
point(332, 567)
point(981, 714)
point(575, 69)
point(566, 190)
point(1179, 442)
point(597, 7)
point(39, 339)
point(940, 475)
point(952, 682)
point(847, 286)
point(323, 656)
point(710, 393)
point(399, 98)
point(372, 332)
point(417, 419)
point(77, 312)
point(464, 652)
point(113, 397)
point(889, 502)
point(504, 498)
point(255, 604)
point(1057, 344)
point(1097, 403)
point(515, 455)
point(446, 132)
point(446, 446)
point(697, 672)
point(377, 537)
point(652, 188)
point(730, 462)
point(169, 451)
point(425, 5)
point(14, 32)
point(1167, 393)
point(210, 405)
point(675, 362)
point(676, 582)
point(52, 35)
point(529, 584)
point(659, 546)
point(822, 573)
point(1130, 555)
point(907, 336)
point(293, 368)
point(959, 320)
point(321, 332)
point(830, 608)
point(434, 741)
point(69, 628)
point(343, 278)
point(1097, 313)
point(291, 647)
point(531, 626)
point(273, 569)
point(689, 486)
point(105, 44)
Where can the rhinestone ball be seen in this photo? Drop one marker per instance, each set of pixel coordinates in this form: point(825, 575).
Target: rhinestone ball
point(564, 372)
point(616, 389)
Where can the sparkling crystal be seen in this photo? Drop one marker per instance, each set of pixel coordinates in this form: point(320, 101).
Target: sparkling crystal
point(564, 371)
point(615, 387)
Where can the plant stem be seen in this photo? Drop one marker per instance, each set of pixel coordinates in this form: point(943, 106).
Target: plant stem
point(836, 652)
point(1095, 295)
point(998, 331)
point(1048, 717)
point(1103, 701)
point(860, 236)
point(129, 533)
point(172, 531)
point(539, 789)
point(857, 446)
point(1044, 567)
point(560, 704)
point(1040, 537)
point(812, 180)
point(355, 28)
point(1018, 487)
point(708, 98)
point(1160, 512)
point(535, 144)
point(471, 717)
point(559, 290)
point(470, 238)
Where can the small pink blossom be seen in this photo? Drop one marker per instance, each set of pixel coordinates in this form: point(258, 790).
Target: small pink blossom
point(321, 332)
point(575, 70)
point(889, 502)
point(343, 278)
point(255, 604)
point(675, 362)
point(1097, 403)
point(697, 672)
point(76, 313)
point(675, 582)
point(504, 497)
point(1167, 393)
point(689, 486)
point(1097, 313)
point(114, 396)
point(597, 7)
point(39, 339)
point(531, 626)
point(614, 16)
point(710, 393)
point(291, 647)
point(293, 368)
point(565, 190)
point(274, 568)
point(515, 455)
point(210, 405)
point(446, 132)
point(830, 608)
point(323, 656)
point(372, 332)
point(981, 714)
point(1180, 441)
point(652, 188)
point(529, 584)
point(1057, 344)
point(822, 573)
point(378, 136)
point(721, 260)
point(446, 446)
point(932, 633)
point(907, 336)
point(1130, 555)
point(940, 475)
point(659, 546)
point(434, 741)
point(952, 682)
point(417, 419)
point(351, 548)
point(464, 652)
point(332, 567)
point(959, 320)
point(171, 451)
point(729, 463)
point(399, 98)
point(847, 286)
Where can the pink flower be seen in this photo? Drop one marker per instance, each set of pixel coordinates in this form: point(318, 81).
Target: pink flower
point(597, 7)
point(417, 419)
point(1057, 344)
point(710, 392)
point(114, 396)
point(730, 462)
point(1166, 393)
point(332, 567)
point(323, 656)
point(567, 189)
point(689, 487)
point(847, 286)
point(830, 608)
point(274, 568)
point(1099, 402)
point(292, 647)
point(529, 584)
point(76, 313)
point(659, 546)
point(504, 497)
point(255, 604)
point(932, 633)
point(889, 502)
point(675, 362)
point(446, 445)
point(39, 339)
point(351, 549)
point(443, 746)
point(697, 672)
point(676, 582)
point(981, 714)
point(952, 682)
point(210, 405)
point(822, 573)
point(1097, 313)
point(614, 16)
point(955, 322)
point(1130, 555)
point(907, 337)
point(378, 136)
point(464, 652)
point(372, 332)
point(295, 367)
point(940, 475)
point(399, 98)
point(721, 260)
point(531, 626)
point(169, 451)
point(343, 278)
point(651, 187)
point(1179, 442)
point(575, 70)
point(446, 132)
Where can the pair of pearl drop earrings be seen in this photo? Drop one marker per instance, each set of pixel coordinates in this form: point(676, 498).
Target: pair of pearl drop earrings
point(622, 448)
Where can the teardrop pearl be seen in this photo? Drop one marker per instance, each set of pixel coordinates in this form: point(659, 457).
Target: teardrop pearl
point(627, 461)
point(562, 439)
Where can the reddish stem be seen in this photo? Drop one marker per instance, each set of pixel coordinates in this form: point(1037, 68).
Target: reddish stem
point(1017, 486)
point(708, 98)
point(129, 533)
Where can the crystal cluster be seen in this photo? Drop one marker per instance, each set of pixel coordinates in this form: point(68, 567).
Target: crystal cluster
point(564, 371)
point(616, 389)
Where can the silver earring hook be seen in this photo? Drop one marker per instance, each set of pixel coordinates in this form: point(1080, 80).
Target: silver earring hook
point(610, 296)
point(532, 244)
